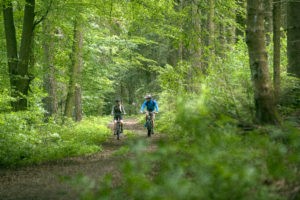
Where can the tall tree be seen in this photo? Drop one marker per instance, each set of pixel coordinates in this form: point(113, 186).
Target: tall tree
point(50, 102)
point(276, 48)
point(75, 70)
point(293, 37)
point(255, 38)
point(78, 103)
point(196, 40)
point(211, 31)
point(18, 62)
point(240, 19)
point(268, 7)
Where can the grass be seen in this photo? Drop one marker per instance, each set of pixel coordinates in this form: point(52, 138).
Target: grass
point(28, 140)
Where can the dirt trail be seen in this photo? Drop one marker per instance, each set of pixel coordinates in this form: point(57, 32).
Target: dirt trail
point(44, 182)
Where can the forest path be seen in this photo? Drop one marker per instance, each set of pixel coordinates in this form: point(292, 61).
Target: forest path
point(45, 181)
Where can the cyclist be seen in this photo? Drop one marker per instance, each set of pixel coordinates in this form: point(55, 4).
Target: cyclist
point(118, 111)
point(150, 105)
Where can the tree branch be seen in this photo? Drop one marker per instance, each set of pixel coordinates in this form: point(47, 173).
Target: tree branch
point(43, 17)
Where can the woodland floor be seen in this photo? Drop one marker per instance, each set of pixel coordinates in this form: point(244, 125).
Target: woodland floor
point(47, 181)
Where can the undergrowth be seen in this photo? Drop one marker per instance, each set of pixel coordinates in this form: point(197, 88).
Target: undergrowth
point(26, 139)
point(206, 157)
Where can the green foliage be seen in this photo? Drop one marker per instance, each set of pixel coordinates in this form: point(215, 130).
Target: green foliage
point(229, 87)
point(207, 158)
point(174, 79)
point(26, 139)
point(290, 95)
point(5, 100)
point(137, 47)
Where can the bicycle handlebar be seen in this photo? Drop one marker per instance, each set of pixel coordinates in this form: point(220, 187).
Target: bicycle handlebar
point(144, 112)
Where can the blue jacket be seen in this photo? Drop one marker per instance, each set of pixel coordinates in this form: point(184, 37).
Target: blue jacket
point(151, 105)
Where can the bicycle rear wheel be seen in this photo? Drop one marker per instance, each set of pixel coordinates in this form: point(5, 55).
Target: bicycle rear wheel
point(118, 135)
point(149, 133)
point(118, 131)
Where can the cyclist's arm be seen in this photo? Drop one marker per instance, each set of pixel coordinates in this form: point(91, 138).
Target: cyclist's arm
point(123, 110)
point(143, 106)
point(156, 106)
point(112, 111)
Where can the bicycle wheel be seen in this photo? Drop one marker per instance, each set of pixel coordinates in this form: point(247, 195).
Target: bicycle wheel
point(149, 128)
point(118, 131)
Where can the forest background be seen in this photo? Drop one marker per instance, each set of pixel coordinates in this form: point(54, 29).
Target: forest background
point(225, 74)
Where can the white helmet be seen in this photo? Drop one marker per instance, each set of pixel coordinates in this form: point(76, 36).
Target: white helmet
point(148, 96)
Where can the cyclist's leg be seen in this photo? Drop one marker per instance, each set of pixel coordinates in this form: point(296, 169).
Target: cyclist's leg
point(153, 119)
point(146, 118)
point(115, 126)
point(115, 123)
point(121, 121)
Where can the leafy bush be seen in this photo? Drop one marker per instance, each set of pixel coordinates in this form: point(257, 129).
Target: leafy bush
point(26, 139)
point(207, 158)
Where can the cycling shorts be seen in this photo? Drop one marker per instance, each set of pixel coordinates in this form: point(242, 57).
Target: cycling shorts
point(116, 117)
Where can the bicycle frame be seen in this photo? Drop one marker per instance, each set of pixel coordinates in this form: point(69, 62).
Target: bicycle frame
point(149, 123)
point(118, 129)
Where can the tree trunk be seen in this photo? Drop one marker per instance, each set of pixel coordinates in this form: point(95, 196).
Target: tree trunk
point(18, 67)
point(75, 70)
point(263, 95)
point(196, 44)
point(50, 102)
point(211, 34)
point(268, 19)
point(211, 25)
point(276, 42)
point(11, 45)
point(240, 19)
point(293, 38)
point(23, 82)
point(180, 48)
point(78, 104)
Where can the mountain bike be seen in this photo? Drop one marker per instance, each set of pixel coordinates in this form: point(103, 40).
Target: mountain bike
point(149, 123)
point(118, 129)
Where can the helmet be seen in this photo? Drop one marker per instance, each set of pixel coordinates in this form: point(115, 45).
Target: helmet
point(148, 96)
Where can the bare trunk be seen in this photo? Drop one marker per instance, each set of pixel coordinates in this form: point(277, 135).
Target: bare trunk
point(240, 20)
point(180, 49)
point(78, 104)
point(263, 95)
point(276, 42)
point(50, 102)
point(268, 20)
point(211, 34)
point(77, 62)
point(18, 67)
point(23, 82)
point(293, 37)
point(211, 25)
point(196, 45)
point(11, 45)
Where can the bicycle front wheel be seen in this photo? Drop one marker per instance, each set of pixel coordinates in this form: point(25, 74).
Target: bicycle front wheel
point(149, 128)
point(118, 131)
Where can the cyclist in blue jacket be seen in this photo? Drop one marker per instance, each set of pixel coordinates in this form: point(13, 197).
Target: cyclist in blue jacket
point(151, 106)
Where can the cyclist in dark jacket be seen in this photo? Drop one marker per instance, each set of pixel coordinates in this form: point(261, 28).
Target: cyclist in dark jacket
point(118, 111)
